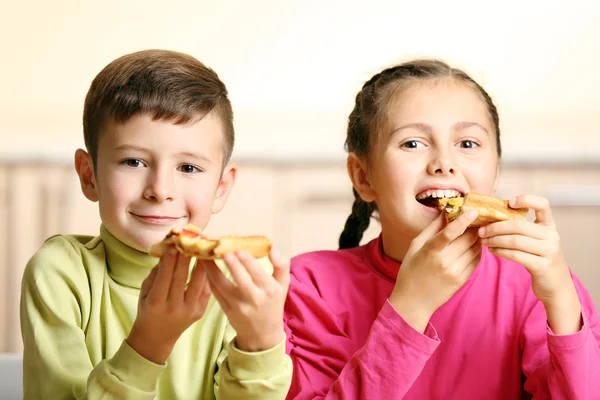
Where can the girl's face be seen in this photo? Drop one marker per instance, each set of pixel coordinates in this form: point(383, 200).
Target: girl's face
point(439, 141)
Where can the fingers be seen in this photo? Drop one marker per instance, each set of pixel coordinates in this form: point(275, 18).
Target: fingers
point(452, 231)
point(281, 265)
point(180, 276)
point(434, 227)
point(162, 284)
point(518, 242)
point(541, 206)
point(529, 261)
point(519, 227)
point(221, 298)
point(240, 273)
point(462, 244)
point(257, 273)
point(469, 255)
point(148, 282)
point(198, 286)
point(221, 287)
point(475, 254)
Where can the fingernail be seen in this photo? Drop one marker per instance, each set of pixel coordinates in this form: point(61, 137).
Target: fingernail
point(472, 214)
point(276, 254)
point(484, 242)
point(512, 202)
point(481, 232)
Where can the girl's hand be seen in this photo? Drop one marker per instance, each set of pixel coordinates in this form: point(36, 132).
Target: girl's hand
point(254, 302)
point(438, 263)
point(536, 246)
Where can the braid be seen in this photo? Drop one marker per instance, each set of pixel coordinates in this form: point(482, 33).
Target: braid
point(357, 223)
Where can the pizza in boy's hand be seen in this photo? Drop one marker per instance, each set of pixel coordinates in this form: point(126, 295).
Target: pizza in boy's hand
point(190, 242)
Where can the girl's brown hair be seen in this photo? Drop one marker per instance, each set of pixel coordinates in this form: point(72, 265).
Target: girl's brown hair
point(367, 121)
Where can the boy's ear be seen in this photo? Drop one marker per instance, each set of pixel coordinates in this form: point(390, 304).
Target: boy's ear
point(225, 185)
point(85, 169)
point(357, 170)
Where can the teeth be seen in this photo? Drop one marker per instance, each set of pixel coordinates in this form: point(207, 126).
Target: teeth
point(438, 194)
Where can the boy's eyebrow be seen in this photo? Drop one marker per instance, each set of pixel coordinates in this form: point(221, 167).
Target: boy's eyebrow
point(194, 155)
point(129, 147)
point(428, 129)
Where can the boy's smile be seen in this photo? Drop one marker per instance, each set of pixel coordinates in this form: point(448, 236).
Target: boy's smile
point(153, 175)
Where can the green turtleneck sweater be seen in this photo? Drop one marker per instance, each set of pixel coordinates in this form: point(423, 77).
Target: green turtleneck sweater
point(78, 302)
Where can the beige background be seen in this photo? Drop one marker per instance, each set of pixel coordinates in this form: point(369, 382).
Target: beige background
point(293, 68)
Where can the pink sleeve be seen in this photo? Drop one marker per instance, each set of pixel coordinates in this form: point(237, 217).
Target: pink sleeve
point(328, 364)
point(566, 366)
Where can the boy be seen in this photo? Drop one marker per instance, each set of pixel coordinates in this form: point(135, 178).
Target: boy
point(99, 317)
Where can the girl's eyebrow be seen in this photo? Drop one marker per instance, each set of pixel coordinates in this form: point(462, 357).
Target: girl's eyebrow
point(464, 125)
point(426, 128)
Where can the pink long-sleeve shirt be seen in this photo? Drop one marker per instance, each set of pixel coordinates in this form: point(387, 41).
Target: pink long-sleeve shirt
point(489, 341)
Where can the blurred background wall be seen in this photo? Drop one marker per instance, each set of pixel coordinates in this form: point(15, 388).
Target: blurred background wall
point(293, 69)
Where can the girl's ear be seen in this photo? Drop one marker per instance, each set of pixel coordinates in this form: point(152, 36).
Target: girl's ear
point(358, 172)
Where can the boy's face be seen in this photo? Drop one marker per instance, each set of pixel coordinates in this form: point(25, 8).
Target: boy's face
point(153, 175)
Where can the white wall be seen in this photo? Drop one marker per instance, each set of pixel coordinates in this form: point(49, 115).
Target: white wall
point(293, 67)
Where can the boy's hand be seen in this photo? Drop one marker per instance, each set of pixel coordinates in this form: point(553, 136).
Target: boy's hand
point(254, 303)
point(536, 246)
point(165, 308)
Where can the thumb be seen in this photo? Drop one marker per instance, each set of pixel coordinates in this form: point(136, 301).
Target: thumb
point(430, 231)
point(281, 268)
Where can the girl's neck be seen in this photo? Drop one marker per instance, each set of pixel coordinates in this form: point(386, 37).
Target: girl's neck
point(395, 244)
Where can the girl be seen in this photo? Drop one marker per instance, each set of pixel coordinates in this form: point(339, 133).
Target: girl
point(430, 310)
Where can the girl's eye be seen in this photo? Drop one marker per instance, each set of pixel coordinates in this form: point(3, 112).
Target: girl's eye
point(467, 144)
point(412, 144)
point(189, 169)
point(133, 163)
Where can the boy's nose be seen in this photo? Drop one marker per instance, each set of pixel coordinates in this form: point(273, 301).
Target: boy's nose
point(159, 188)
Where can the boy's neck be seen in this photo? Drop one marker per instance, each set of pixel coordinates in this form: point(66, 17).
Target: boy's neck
point(126, 265)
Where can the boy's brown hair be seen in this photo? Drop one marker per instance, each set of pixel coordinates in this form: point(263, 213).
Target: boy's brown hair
point(164, 84)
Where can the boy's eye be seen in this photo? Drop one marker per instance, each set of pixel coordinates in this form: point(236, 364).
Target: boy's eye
point(133, 163)
point(189, 169)
point(468, 144)
point(412, 144)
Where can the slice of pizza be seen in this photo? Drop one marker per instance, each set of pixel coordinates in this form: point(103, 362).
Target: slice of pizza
point(190, 241)
point(490, 209)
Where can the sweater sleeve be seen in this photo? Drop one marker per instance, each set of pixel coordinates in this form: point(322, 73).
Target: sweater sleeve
point(562, 366)
point(327, 365)
point(55, 299)
point(260, 375)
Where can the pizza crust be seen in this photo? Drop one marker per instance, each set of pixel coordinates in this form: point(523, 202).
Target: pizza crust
point(190, 242)
point(490, 209)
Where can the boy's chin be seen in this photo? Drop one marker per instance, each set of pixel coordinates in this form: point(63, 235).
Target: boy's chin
point(143, 243)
